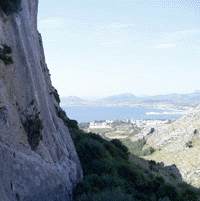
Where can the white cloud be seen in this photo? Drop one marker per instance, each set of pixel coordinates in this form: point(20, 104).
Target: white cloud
point(165, 45)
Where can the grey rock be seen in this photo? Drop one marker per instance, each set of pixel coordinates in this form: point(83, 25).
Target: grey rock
point(161, 164)
point(172, 169)
point(51, 171)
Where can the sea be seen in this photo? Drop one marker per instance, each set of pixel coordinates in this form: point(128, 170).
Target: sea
point(98, 113)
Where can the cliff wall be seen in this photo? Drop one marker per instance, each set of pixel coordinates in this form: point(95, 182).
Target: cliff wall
point(50, 170)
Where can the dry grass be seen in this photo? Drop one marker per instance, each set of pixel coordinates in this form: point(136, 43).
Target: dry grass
point(187, 161)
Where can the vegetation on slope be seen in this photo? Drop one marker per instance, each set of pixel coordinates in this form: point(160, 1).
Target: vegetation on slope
point(10, 6)
point(4, 51)
point(32, 123)
point(112, 173)
point(136, 147)
point(33, 127)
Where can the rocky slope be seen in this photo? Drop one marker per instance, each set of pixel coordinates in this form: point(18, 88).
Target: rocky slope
point(31, 171)
point(177, 143)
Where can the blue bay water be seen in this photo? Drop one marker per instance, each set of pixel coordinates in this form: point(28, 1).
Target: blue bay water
point(92, 113)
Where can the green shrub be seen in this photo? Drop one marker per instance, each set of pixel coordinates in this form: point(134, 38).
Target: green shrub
point(6, 49)
point(88, 150)
point(3, 54)
point(56, 95)
point(107, 195)
point(77, 135)
point(148, 151)
point(122, 147)
point(33, 127)
point(188, 193)
point(95, 137)
point(115, 151)
point(101, 166)
point(94, 185)
point(151, 187)
point(168, 190)
point(164, 199)
point(71, 124)
point(131, 173)
point(189, 144)
point(17, 196)
point(136, 146)
point(10, 6)
point(32, 102)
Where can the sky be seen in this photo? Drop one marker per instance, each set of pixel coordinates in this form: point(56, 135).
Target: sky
point(103, 48)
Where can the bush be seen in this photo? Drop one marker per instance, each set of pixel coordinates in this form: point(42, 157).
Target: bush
point(3, 54)
point(168, 190)
point(115, 151)
point(33, 127)
point(6, 49)
point(188, 193)
point(151, 187)
point(108, 195)
point(131, 173)
point(102, 166)
point(17, 196)
point(122, 147)
point(56, 95)
point(93, 187)
point(189, 144)
point(88, 150)
point(148, 151)
point(10, 6)
point(136, 146)
point(71, 124)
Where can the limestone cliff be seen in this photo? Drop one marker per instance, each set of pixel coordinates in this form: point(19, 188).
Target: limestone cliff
point(49, 170)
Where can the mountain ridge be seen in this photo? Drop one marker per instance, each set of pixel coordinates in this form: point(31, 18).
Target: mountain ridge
point(190, 100)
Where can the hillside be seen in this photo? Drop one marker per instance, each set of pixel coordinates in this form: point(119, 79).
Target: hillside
point(112, 174)
point(177, 143)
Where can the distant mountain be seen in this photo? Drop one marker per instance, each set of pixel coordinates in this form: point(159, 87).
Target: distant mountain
point(72, 100)
point(128, 97)
point(190, 100)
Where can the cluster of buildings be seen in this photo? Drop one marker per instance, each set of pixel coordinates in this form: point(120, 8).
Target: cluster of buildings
point(128, 123)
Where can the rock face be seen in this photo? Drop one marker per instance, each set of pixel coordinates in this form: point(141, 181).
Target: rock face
point(174, 170)
point(50, 170)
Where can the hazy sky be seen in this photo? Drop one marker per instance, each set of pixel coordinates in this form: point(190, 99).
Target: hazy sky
point(101, 48)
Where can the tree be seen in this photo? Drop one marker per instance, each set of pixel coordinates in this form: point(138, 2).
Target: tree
point(10, 6)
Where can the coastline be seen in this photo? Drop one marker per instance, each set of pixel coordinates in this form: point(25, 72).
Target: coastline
point(177, 108)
